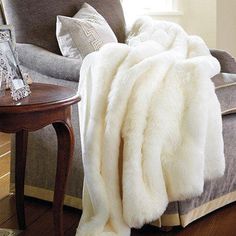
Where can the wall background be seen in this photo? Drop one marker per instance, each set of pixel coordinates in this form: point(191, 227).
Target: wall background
point(213, 20)
point(226, 25)
point(196, 17)
point(199, 17)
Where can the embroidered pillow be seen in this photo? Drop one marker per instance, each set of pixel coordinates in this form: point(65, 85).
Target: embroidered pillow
point(84, 33)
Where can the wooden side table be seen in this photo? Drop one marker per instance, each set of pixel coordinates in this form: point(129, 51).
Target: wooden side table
point(48, 104)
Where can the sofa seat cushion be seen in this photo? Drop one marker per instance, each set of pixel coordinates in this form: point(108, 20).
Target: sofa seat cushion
point(48, 63)
point(225, 85)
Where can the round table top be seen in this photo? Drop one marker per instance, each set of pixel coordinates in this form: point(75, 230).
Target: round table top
point(42, 97)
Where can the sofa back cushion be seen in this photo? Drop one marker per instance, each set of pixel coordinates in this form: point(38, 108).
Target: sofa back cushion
point(35, 21)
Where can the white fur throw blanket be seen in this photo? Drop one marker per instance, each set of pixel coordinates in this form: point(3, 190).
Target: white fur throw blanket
point(150, 124)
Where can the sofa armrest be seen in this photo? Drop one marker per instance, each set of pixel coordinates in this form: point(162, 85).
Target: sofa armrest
point(223, 79)
point(225, 86)
point(227, 62)
point(48, 63)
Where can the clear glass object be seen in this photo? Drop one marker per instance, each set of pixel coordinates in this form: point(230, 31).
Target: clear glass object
point(11, 73)
point(4, 74)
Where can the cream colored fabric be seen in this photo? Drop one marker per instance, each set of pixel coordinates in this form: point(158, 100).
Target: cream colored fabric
point(84, 33)
point(47, 195)
point(150, 94)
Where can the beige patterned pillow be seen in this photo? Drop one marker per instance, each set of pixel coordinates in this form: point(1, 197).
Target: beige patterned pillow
point(84, 33)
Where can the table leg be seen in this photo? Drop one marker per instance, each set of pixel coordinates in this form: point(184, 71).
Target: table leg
point(20, 161)
point(65, 138)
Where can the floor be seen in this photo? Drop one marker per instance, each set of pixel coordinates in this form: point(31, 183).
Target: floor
point(39, 220)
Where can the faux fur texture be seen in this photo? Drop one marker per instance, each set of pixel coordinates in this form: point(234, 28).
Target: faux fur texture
point(155, 95)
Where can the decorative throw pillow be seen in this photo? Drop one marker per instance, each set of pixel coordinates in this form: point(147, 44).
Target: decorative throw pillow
point(84, 33)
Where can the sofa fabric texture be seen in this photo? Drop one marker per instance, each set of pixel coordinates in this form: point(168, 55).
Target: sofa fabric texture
point(87, 31)
point(35, 21)
point(48, 63)
point(225, 84)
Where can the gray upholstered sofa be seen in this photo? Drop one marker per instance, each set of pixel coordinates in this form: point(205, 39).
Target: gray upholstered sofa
point(34, 23)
